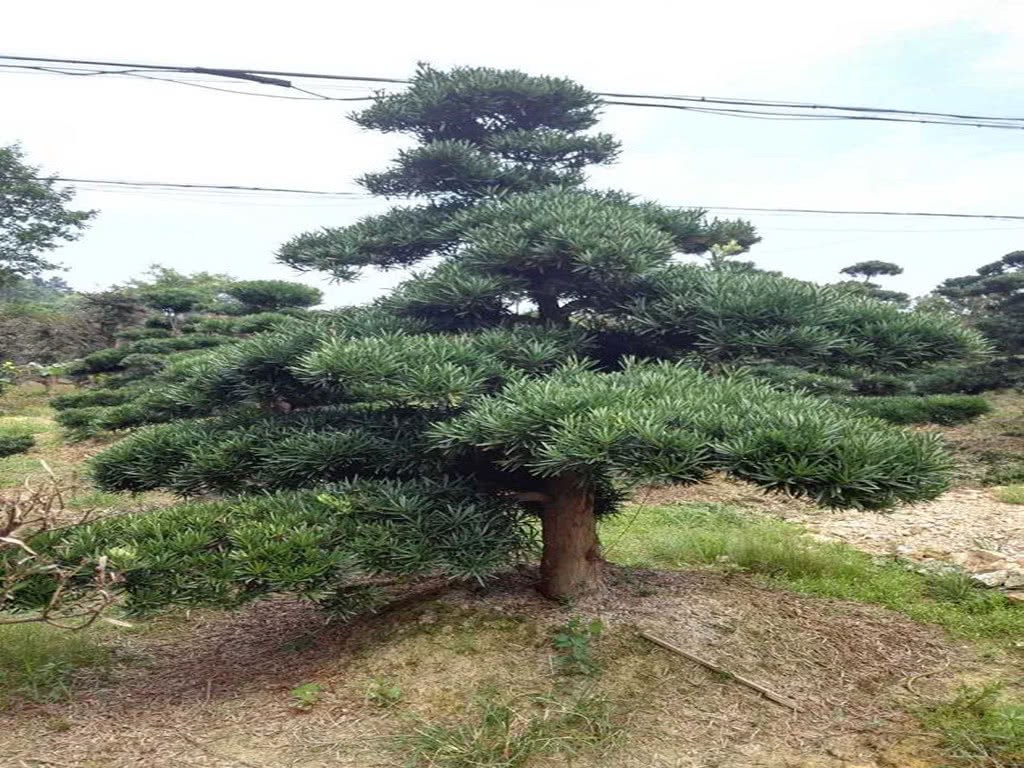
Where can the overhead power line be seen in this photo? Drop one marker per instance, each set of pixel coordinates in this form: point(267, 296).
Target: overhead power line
point(229, 187)
point(835, 212)
point(716, 105)
point(239, 188)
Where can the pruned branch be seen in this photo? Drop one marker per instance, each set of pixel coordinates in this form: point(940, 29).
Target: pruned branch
point(32, 510)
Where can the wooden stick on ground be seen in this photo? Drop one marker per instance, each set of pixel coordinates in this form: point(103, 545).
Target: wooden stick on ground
point(766, 692)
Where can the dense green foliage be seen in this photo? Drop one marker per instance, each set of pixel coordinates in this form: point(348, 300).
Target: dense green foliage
point(272, 295)
point(930, 409)
point(125, 396)
point(331, 545)
point(12, 444)
point(34, 217)
point(992, 301)
point(554, 353)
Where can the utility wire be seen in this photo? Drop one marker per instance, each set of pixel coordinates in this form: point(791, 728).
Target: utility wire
point(732, 107)
point(229, 187)
point(238, 188)
point(831, 212)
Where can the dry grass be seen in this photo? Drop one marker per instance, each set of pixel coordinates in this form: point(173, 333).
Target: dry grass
point(1011, 494)
point(214, 689)
point(990, 449)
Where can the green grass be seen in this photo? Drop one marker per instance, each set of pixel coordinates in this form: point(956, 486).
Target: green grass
point(14, 469)
point(977, 728)
point(38, 662)
point(715, 535)
point(1011, 494)
point(509, 733)
point(27, 399)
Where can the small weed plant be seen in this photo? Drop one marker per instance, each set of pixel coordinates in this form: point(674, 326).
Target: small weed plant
point(573, 642)
point(38, 662)
point(384, 692)
point(306, 696)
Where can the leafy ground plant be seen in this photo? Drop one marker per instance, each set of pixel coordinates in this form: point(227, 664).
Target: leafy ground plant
point(306, 696)
point(384, 692)
point(574, 643)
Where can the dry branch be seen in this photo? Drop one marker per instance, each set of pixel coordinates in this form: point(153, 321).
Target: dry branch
point(30, 511)
point(766, 692)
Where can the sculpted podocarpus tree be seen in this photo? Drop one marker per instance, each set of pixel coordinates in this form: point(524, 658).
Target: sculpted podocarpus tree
point(555, 353)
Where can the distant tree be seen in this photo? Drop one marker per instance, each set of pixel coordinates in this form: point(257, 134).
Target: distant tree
point(992, 300)
point(173, 302)
point(272, 295)
point(869, 269)
point(34, 290)
point(34, 217)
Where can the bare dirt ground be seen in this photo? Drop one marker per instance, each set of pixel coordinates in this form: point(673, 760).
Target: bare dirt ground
point(211, 690)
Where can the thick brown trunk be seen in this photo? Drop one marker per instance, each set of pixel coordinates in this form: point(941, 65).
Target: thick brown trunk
point(571, 561)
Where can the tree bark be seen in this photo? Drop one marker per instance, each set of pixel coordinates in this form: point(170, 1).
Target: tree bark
point(571, 560)
point(548, 308)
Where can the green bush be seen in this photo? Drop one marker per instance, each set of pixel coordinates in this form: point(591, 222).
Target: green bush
point(176, 344)
point(931, 409)
point(80, 423)
point(791, 377)
point(973, 379)
point(159, 321)
point(134, 334)
point(272, 295)
point(105, 360)
point(12, 444)
point(91, 397)
point(325, 546)
point(880, 384)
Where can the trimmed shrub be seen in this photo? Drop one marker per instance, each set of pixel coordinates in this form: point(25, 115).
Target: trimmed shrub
point(946, 410)
point(12, 444)
point(91, 397)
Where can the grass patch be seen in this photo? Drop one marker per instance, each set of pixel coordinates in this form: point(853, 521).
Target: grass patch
point(715, 535)
point(27, 399)
point(14, 469)
point(508, 733)
point(1011, 494)
point(38, 662)
point(978, 729)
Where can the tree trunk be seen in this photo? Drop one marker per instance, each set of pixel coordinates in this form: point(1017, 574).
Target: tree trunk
point(548, 308)
point(571, 561)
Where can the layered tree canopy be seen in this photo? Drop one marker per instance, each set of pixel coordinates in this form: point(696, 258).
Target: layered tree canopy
point(551, 353)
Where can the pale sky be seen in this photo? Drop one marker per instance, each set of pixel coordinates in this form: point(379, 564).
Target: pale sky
point(937, 55)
